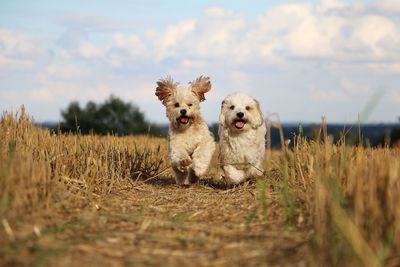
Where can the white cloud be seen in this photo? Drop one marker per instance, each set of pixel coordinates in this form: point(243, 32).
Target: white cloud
point(61, 93)
point(330, 43)
point(334, 30)
point(76, 44)
point(15, 43)
point(65, 72)
point(19, 51)
point(384, 68)
point(354, 89)
point(331, 6)
point(311, 38)
point(193, 64)
point(390, 7)
point(89, 51)
point(218, 34)
point(174, 35)
point(10, 64)
point(330, 95)
point(43, 95)
point(302, 33)
point(132, 44)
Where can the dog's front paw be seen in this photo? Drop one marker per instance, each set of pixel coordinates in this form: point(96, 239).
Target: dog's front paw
point(183, 164)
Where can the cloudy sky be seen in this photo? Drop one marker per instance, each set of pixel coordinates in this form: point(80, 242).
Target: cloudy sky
point(302, 59)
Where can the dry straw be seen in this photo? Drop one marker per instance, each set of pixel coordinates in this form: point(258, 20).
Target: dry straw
point(321, 203)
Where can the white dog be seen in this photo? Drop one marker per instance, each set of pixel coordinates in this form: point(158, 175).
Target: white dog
point(190, 143)
point(242, 138)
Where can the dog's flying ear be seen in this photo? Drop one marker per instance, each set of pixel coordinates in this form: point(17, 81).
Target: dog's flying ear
point(260, 119)
point(165, 88)
point(200, 86)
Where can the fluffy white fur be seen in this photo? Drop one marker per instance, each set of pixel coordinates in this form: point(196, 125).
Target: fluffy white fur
point(242, 138)
point(190, 143)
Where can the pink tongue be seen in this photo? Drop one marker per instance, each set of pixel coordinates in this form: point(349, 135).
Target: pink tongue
point(184, 120)
point(239, 124)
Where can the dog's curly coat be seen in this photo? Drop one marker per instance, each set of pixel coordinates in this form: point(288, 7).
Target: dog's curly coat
point(241, 137)
point(190, 143)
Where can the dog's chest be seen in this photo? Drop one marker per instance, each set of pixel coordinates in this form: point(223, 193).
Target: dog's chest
point(188, 140)
point(240, 148)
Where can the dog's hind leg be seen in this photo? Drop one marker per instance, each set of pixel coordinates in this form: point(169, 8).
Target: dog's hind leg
point(256, 171)
point(193, 178)
point(202, 157)
point(233, 175)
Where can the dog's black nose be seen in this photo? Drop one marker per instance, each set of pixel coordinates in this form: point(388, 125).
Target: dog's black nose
point(240, 115)
point(183, 111)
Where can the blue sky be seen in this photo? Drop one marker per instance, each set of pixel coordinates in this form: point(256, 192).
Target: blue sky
point(301, 59)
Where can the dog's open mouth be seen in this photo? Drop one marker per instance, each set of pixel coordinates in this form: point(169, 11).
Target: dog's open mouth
point(239, 124)
point(183, 119)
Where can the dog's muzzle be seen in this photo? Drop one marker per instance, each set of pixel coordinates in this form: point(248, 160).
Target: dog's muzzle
point(183, 119)
point(239, 123)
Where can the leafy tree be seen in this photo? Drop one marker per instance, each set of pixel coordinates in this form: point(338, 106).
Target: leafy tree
point(112, 116)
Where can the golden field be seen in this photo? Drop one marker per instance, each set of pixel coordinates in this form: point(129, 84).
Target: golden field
point(73, 200)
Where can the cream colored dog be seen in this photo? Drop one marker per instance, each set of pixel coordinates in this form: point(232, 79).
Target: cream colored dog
point(242, 138)
point(190, 143)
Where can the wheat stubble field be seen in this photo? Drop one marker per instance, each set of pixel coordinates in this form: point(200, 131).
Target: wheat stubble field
point(73, 200)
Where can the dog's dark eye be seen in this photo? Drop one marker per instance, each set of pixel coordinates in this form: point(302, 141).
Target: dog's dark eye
point(190, 105)
point(232, 107)
point(177, 105)
point(248, 108)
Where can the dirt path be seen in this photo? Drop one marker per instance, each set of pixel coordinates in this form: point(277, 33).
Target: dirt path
point(161, 224)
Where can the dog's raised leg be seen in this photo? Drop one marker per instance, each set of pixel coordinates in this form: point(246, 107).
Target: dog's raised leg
point(233, 175)
point(181, 171)
point(202, 157)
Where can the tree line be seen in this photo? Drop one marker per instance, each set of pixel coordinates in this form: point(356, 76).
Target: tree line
point(113, 116)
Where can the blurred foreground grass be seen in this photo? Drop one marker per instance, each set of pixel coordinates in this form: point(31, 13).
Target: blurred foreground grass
point(98, 201)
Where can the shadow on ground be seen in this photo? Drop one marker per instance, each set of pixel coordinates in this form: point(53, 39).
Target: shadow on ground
point(207, 182)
